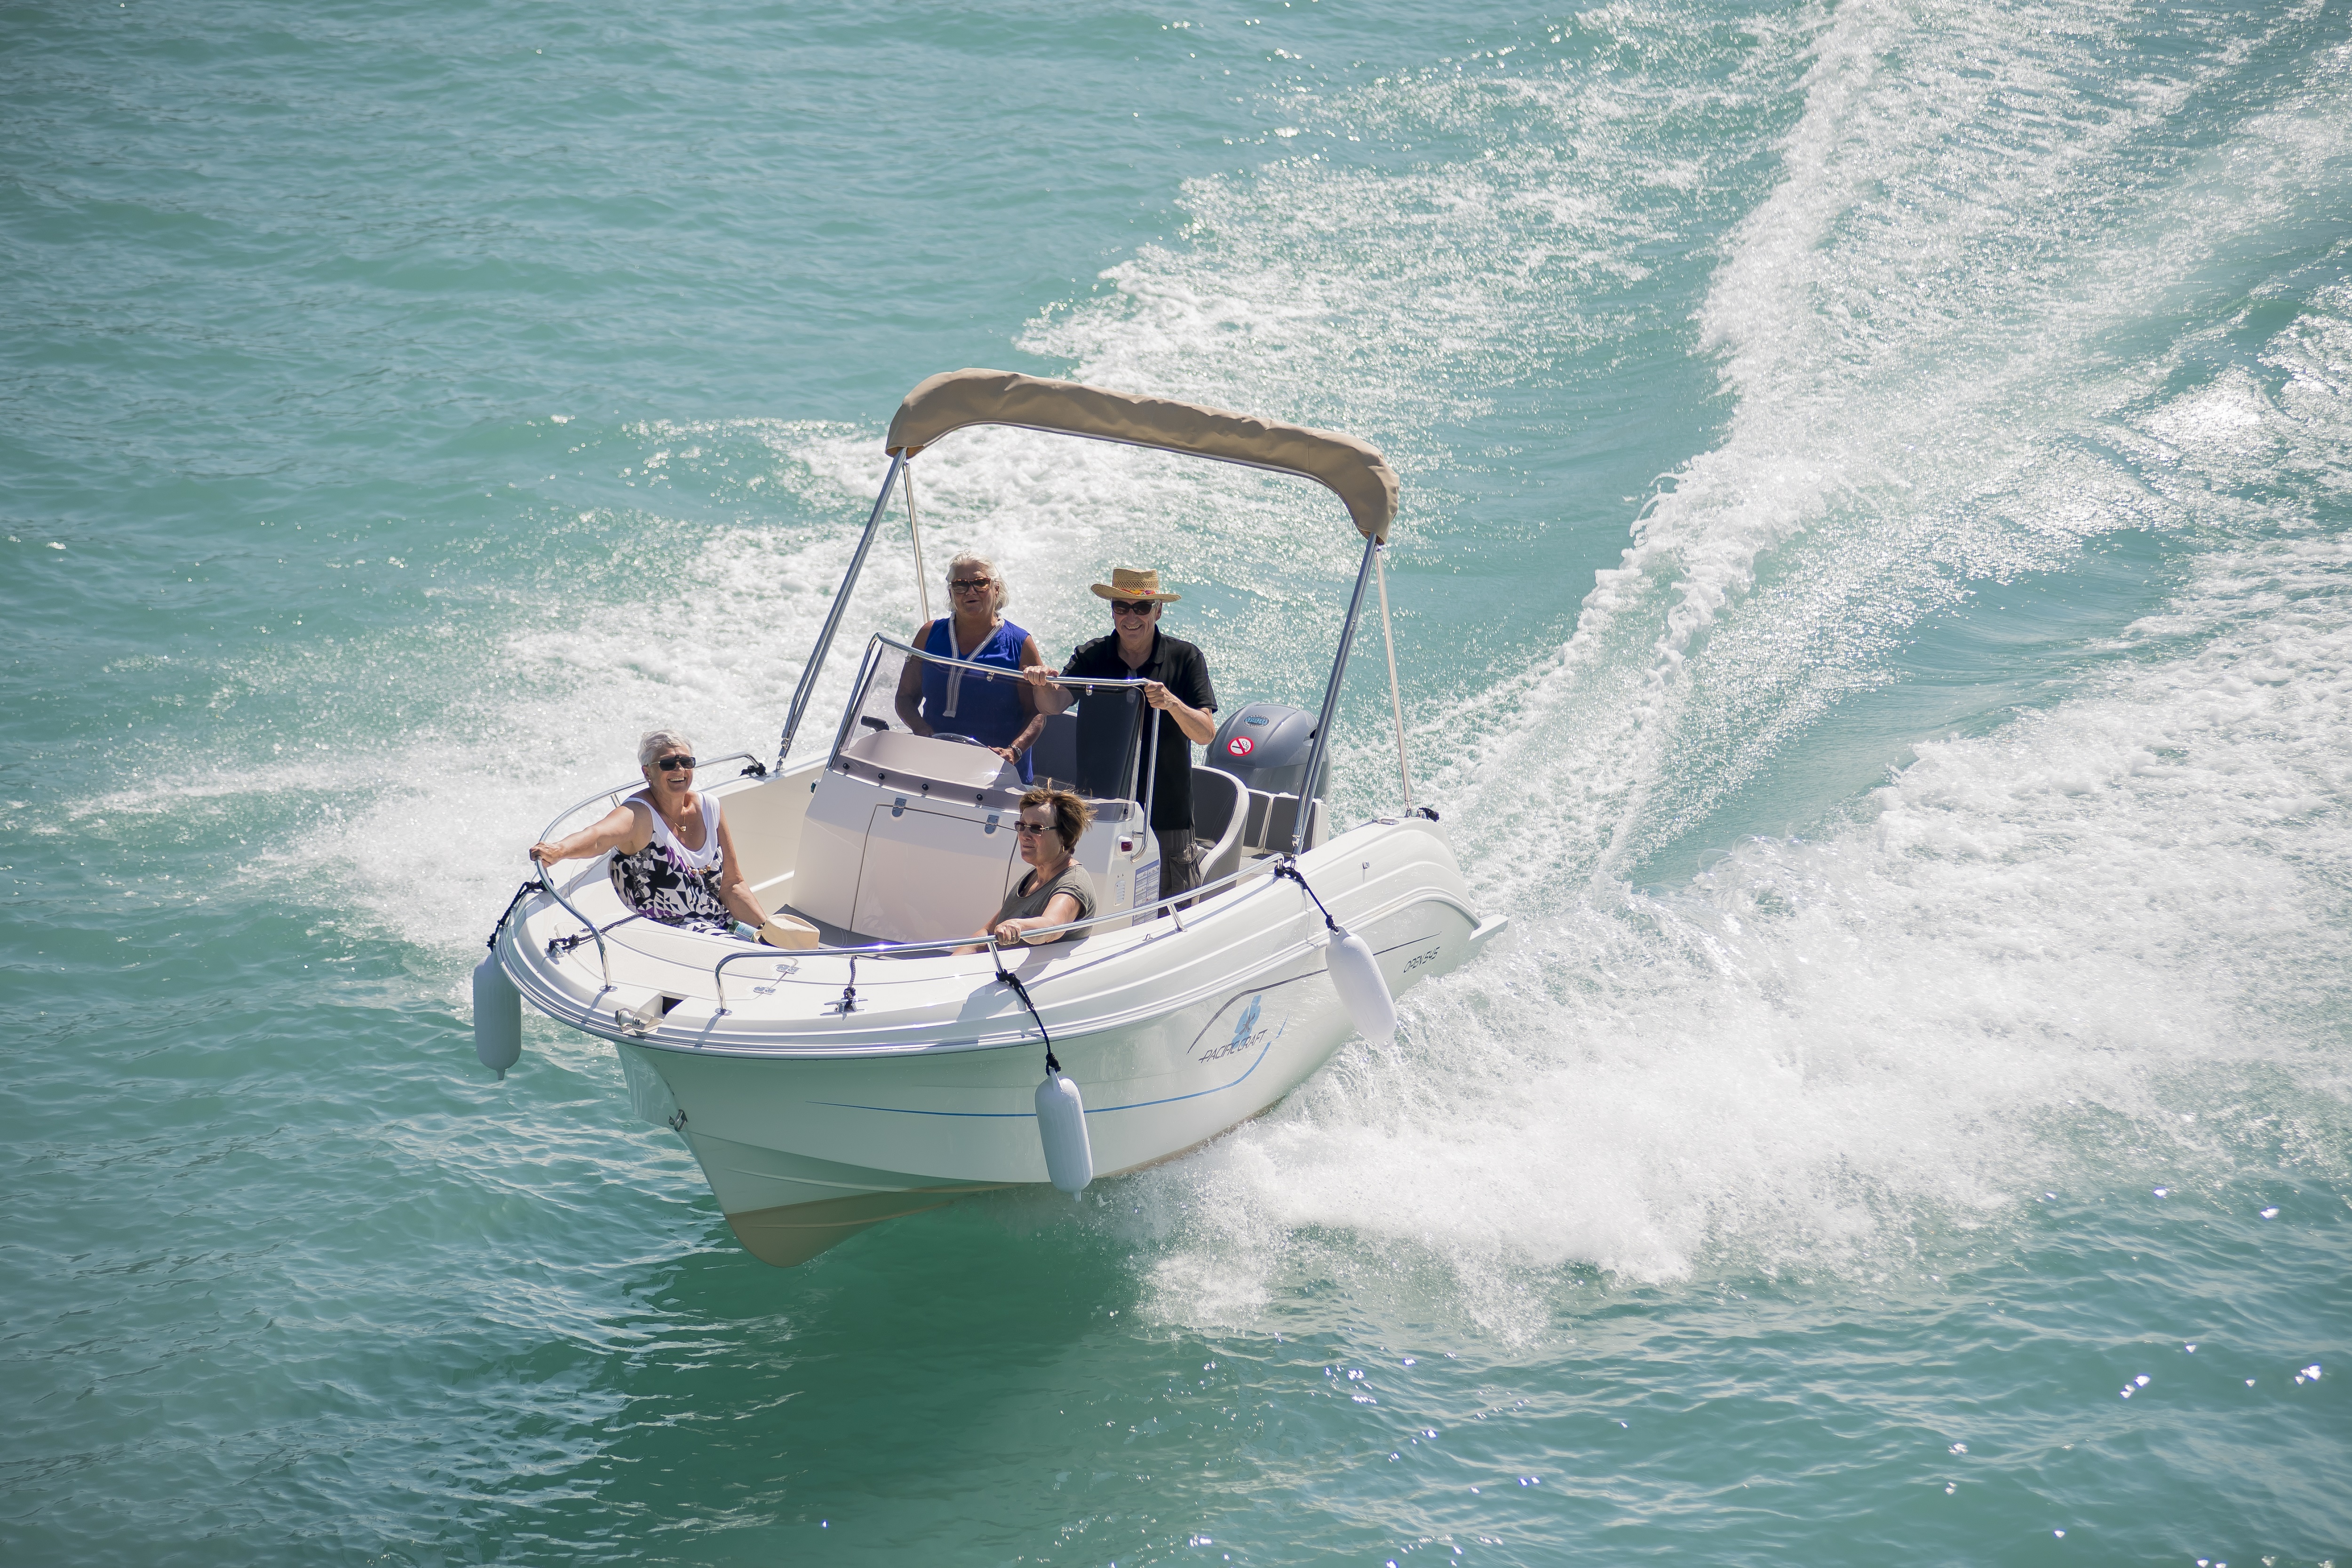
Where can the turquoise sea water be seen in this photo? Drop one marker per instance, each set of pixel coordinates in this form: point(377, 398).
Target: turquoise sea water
point(1874, 592)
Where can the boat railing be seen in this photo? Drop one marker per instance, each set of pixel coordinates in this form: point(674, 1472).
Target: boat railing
point(1172, 905)
point(603, 959)
point(1075, 683)
point(788, 957)
point(614, 792)
point(1144, 733)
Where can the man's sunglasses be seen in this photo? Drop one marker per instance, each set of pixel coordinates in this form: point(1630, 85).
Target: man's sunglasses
point(673, 764)
point(1143, 611)
point(966, 584)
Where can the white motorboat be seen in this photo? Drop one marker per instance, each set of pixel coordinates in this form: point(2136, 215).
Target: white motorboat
point(879, 1073)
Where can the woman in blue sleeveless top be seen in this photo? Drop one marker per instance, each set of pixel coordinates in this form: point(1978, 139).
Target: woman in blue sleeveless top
point(1000, 713)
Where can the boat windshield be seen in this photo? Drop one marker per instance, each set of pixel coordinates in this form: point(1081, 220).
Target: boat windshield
point(921, 715)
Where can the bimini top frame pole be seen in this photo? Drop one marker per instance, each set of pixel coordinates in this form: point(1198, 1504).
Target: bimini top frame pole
point(1311, 785)
point(807, 687)
point(1350, 468)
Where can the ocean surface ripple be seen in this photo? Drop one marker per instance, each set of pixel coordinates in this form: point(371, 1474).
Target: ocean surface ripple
point(1875, 592)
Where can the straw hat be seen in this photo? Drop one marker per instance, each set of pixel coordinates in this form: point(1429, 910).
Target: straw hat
point(1127, 587)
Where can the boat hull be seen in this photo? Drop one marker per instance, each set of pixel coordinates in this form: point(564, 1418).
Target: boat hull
point(811, 1121)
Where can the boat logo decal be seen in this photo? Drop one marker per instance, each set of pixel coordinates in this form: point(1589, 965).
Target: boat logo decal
point(1241, 745)
point(1247, 1035)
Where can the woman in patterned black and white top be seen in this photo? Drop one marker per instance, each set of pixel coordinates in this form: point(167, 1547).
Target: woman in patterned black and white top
point(674, 861)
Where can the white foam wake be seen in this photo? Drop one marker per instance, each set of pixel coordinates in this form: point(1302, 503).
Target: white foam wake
point(1918, 325)
point(1908, 1018)
point(2081, 941)
point(2061, 946)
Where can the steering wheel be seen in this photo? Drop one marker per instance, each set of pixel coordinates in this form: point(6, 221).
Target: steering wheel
point(952, 735)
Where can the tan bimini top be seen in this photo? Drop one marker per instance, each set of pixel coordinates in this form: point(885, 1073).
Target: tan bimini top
point(1354, 470)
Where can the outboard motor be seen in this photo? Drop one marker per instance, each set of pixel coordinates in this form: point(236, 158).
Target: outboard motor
point(1267, 746)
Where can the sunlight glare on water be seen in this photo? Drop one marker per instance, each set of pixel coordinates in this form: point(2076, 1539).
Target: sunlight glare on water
point(1875, 610)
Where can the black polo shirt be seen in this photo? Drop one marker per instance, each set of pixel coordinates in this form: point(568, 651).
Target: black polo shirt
point(1106, 718)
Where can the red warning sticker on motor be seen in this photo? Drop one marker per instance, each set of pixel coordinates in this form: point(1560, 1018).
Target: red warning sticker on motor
point(1241, 745)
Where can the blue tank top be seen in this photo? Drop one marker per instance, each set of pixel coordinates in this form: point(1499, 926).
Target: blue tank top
point(966, 702)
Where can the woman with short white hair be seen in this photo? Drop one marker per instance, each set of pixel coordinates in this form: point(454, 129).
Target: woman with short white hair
point(674, 861)
point(999, 712)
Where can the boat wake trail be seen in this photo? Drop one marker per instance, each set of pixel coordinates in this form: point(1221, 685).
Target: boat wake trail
point(1982, 316)
point(2091, 937)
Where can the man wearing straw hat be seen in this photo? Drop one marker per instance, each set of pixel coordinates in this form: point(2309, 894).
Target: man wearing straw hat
point(1178, 688)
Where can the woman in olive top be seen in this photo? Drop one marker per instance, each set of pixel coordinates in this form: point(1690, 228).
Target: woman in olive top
point(1060, 890)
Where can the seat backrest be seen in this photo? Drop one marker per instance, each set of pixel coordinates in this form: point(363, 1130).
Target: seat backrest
point(1220, 814)
point(1217, 797)
point(1253, 826)
point(1054, 754)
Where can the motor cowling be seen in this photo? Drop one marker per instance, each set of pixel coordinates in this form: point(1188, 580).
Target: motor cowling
point(498, 1016)
point(1267, 745)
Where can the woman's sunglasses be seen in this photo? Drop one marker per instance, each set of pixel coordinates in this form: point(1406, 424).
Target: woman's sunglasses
point(1033, 828)
point(673, 764)
point(966, 584)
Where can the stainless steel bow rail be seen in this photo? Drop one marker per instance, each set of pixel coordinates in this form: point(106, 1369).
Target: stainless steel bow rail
point(753, 768)
point(564, 944)
point(789, 959)
point(1273, 868)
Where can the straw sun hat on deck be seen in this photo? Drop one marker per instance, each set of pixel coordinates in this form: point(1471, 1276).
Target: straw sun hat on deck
point(1127, 587)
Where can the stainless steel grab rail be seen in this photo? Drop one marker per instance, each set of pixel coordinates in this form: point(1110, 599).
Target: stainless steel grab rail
point(700, 763)
point(1078, 683)
point(603, 959)
point(791, 956)
point(547, 884)
point(1263, 866)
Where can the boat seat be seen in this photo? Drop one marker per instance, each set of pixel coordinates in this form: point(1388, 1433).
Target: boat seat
point(1281, 816)
point(1253, 822)
point(828, 933)
point(1220, 818)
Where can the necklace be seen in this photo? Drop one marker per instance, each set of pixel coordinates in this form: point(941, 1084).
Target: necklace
point(677, 827)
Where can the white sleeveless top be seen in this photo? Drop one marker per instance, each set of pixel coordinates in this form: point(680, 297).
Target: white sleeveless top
point(703, 860)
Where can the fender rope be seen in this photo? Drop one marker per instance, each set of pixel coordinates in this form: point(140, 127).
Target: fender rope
point(1289, 867)
point(1009, 978)
point(493, 943)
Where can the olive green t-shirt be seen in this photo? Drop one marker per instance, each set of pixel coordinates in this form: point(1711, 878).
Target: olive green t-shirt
point(1021, 905)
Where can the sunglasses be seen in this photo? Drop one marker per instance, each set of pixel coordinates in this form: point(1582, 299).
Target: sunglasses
point(1139, 611)
point(673, 764)
point(1033, 828)
point(966, 584)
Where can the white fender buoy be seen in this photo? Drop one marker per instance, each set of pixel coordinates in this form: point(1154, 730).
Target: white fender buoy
point(1062, 1127)
point(498, 1016)
point(1356, 975)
